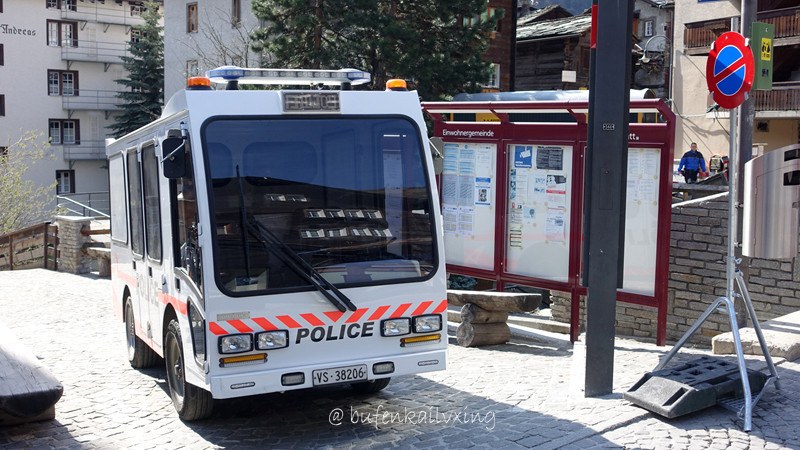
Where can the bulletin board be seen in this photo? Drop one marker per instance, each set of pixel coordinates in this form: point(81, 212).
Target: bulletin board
point(641, 220)
point(513, 197)
point(468, 187)
point(538, 211)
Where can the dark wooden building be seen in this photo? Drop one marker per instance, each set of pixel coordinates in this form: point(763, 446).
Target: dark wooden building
point(502, 46)
point(551, 50)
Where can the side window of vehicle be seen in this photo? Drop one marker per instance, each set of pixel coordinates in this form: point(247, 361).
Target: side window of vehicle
point(152, 207)
point(184, 213)
point(135, 203)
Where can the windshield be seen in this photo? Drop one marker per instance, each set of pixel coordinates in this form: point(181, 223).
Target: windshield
point(348, 196)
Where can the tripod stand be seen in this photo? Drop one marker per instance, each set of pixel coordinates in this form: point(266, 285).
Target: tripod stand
point(726, 304)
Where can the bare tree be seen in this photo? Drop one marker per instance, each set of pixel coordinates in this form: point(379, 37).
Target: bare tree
point(23, 203)
point(222, 40)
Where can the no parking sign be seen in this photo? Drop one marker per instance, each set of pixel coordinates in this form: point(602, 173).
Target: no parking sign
point(729, 70)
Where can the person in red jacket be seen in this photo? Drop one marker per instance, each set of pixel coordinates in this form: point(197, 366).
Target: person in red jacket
point(691, 164)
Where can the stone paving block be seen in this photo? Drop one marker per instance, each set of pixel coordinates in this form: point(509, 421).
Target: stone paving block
point(529, 387)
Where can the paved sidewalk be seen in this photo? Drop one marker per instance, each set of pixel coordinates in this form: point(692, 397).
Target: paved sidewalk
point(523, 394)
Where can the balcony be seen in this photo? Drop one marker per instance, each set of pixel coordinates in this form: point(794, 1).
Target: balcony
point(93, 51)
point(101, 13)
point(86, 150)
point(783, 101)
point(91, 100)
point(698, 37)
point(784, 98)
point(787, 25)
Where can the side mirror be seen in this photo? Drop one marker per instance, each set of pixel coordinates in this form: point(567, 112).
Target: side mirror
point(437, 152)
point(174, 161)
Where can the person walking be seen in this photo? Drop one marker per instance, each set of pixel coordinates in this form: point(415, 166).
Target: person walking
point(691, 164)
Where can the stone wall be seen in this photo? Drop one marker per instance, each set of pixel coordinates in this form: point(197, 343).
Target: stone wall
point(697, 276)
point(72, 244)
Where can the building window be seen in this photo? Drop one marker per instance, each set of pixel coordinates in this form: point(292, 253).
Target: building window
point(62, 33)
point(63, 4)
point(2, 56)
point(65, 181)
point(1, 6)
point(648, 27)
point(137, 10)
point(192, 69)
point(64, 131)
point(191, 18)
point(136, 35)
point(494, 80)
point(2, 105)
point(62, 82)
point(236, 13)
point(489, 13)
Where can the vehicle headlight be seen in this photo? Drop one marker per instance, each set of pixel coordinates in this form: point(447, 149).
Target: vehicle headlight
point(269, 340)
point(427, 324)
point(395, 327)
point(235, 343)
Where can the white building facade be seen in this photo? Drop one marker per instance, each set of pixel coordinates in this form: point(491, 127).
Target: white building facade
point(58, 63)
point(200, 35)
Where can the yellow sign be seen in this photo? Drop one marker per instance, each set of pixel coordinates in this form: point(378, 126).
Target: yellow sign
point(766, 49)
point(486, 117)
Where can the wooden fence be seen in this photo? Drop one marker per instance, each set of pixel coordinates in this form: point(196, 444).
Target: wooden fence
point(30, 248)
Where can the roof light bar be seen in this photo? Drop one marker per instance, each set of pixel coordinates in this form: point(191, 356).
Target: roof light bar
point(288, 76)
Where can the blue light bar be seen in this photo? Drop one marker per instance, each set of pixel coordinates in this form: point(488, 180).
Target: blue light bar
point(294, 77)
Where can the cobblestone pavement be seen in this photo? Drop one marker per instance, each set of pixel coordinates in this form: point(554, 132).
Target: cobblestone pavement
point(522, 394)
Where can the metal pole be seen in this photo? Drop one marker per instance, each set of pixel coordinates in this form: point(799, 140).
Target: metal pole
point(609, 154)
point(733, 180)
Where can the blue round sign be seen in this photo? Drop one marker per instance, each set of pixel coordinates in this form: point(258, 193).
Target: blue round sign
point(733, 81)
point(729, 70)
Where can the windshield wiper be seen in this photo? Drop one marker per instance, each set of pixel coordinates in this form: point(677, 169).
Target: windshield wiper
point(300, 266)
point(287, 255)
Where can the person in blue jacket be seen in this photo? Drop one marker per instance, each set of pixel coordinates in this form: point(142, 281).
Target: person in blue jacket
point(691, 163)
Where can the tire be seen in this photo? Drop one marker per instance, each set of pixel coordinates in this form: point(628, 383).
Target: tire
point(139, 354)
point(370, 387)
point(190, 401)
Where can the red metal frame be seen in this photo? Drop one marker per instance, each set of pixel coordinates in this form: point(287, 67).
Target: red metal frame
point(648, 135)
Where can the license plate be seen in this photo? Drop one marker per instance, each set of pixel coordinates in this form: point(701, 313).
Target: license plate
point(340, 375)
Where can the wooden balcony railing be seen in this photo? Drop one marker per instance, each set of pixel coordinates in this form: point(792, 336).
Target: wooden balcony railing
point(782, 97)
point(786, 21)
point(702, 34)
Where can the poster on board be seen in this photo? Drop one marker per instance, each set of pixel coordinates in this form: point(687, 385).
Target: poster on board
point(641, 220)
point(468, 186)
point(538, 210)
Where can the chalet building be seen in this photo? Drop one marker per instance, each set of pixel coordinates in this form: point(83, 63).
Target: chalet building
point(501, 47)
point(553, 49)
point(58, 63)
point(552, 53)
point(777, 111)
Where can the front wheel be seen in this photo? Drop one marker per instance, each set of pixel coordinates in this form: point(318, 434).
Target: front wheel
point(190, 401)
point(139, 354)
point(370, 387)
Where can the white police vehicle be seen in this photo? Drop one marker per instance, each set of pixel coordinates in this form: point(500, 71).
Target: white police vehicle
point(269, 240)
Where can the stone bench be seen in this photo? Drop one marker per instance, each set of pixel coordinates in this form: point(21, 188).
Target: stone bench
point(28, 391)
point(782, 336)
point(484, 314)
point(103, 257)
